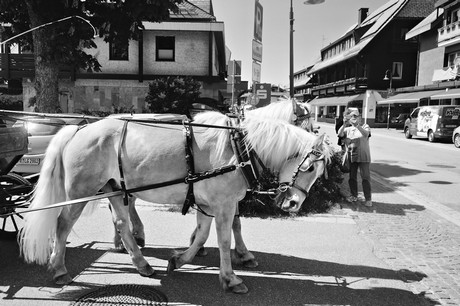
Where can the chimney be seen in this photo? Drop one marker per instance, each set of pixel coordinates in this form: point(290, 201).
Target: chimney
point(362, 14)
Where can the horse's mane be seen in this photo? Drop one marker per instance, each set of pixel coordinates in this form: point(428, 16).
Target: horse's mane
point(285, 140)
point(281, 110)
point(273, 140)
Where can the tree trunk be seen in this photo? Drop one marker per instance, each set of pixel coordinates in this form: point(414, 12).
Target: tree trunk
point(46, 67)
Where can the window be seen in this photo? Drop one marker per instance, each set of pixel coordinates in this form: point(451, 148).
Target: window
point(165, 48)
point(455, 16)
point(453, 59)
point(118, 51)
point(397, 70)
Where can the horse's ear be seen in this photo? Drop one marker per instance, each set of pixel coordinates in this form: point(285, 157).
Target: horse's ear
point(320, 140)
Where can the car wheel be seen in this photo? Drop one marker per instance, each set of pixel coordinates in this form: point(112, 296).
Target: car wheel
point(457, 140)
point(431, 137)
point(407, 133)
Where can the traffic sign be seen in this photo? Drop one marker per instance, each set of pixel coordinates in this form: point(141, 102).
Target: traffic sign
point(256, 50)
point(256, 71)
point(258, 20)
point(234, 68)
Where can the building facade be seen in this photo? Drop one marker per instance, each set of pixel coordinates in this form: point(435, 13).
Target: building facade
point(191, 43)
point(355, 69)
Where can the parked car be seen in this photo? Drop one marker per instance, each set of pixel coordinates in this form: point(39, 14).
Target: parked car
point(433, 122)
point(41, 129)
point(401, 118)
point(456, 137)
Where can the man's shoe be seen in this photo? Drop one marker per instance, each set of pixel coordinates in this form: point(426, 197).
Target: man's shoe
point(352, 199)
point(368, 203)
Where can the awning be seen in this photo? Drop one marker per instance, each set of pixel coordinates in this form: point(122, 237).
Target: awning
point(333, 101)
point(409, 97)
point(447, 94)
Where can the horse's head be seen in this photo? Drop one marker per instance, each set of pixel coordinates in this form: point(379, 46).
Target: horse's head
point(300, 174)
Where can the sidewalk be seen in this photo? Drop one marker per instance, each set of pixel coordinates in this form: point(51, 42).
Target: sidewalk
point(413, 240)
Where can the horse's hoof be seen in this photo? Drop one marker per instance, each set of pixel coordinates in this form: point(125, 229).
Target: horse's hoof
point(251, 263)
point(171, 265)
point(240, 289)
point(140, 242)
point(202, 252)
point(62, 280)
point(146, 270)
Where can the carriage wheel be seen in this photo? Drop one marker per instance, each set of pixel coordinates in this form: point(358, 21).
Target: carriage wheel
point(14, 193)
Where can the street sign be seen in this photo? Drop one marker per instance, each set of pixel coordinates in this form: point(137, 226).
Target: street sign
point(264, 93)
point(256, 71)
point(234, 68)
point(256, 50)
point(258, 19)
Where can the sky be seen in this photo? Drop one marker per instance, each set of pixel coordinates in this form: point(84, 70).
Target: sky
point(315, 26)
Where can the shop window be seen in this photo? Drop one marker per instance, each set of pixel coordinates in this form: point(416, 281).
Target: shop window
point(118, 51)
point(165, 48)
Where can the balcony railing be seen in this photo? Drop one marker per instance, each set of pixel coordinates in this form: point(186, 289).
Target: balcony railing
point(449, 32)
point(341, 86)
point(17, 66)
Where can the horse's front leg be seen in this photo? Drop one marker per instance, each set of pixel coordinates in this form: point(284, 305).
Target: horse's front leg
point(242, 254)
point(121, 220)
point(137, 227)
point(228, 278)
point(66, 221)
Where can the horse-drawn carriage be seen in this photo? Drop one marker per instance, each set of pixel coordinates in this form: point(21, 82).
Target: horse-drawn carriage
point(15, 190)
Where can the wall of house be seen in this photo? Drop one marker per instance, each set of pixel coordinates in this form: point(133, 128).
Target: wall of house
point(191, 54)
point(110, 66)
point(431, 58)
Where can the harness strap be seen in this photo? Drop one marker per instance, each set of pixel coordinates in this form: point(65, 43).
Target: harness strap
point(120, 166)
point(245, 157)
point(190, 197)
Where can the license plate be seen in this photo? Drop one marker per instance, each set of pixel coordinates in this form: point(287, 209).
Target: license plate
point(451, 125)
point(29, 161)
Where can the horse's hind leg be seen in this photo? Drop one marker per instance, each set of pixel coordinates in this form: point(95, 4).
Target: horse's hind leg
point(199, 216)
point(136, 223)
point(66, 221)
point(137, 228)
point(242, 254)
point(201, 235)
point(121, 220)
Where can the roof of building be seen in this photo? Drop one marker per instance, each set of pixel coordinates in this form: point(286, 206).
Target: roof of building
point(376, 22)
point(426, 24)
point(194, 9)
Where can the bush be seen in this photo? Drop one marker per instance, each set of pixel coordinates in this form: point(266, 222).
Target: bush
point(11, 102)
point(323, 195)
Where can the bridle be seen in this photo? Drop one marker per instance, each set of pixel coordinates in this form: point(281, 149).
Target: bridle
point(285, 186)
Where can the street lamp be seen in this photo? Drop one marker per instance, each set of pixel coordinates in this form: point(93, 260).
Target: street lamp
point(291, 45)
point(388, 77)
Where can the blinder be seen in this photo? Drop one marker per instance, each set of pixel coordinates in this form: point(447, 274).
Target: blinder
point(305, 165)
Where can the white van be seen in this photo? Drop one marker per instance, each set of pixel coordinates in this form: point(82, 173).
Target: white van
point(433, 122)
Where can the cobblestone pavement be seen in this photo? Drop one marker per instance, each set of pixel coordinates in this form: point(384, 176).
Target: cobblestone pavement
point(423, 247)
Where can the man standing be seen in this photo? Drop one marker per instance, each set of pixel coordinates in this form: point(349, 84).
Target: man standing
point(356, 138)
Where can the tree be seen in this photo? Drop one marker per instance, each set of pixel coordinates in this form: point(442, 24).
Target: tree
point(64, 43)
point(172, 95)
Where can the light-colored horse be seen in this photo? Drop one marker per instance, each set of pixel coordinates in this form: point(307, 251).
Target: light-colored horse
point(79, 163)
point(283, 110)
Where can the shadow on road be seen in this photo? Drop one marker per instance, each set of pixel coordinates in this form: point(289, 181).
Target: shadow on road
point(279, 280)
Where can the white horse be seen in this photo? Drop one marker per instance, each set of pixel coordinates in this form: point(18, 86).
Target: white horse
point(79, 163)
point(286, 110)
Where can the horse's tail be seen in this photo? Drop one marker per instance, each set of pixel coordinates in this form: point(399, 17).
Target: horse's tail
point(37, 236)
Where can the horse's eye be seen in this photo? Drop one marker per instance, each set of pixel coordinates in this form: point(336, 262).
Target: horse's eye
point(312, 167)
